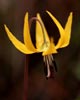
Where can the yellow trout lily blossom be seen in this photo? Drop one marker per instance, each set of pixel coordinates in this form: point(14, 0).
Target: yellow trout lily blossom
point(44, 44)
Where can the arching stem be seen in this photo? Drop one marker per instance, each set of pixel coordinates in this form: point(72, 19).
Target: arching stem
point(35, 18)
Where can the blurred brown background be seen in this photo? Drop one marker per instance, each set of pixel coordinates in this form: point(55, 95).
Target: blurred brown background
point(66, 84)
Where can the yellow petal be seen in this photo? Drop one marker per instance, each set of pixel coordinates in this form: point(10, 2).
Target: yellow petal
point(68, 30)
point(64, 33)
point(26, 33)
point(20, 46)
point(51, 49)
point(61, 30)
point(42, 38)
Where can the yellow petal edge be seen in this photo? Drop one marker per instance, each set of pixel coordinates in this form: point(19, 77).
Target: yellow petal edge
point(26, 35)
point(19, 45)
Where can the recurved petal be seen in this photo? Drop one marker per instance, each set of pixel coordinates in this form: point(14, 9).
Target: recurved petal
point(65, 38)
point(64, 33)
point(19, 45)
point(26, 33)
point(61, 30)
point(42, 38)
point(51, 49)
point(68, 30)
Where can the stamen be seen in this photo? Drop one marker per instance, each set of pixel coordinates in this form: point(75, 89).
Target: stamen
point(51, 57)
point(50, 60)
point(48, 69)
point(54, 62)
point(50, 64)
point(44, 59)
point(55, 65)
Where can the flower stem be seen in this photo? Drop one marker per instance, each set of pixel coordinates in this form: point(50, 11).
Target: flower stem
point(41, 24)
point(25, 91)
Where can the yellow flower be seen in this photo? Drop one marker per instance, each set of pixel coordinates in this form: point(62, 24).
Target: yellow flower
point(44, 44)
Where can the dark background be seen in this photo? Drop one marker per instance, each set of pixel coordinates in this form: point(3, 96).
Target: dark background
point(66, 84)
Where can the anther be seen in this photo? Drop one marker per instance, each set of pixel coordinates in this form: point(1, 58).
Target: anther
point(50, 66)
